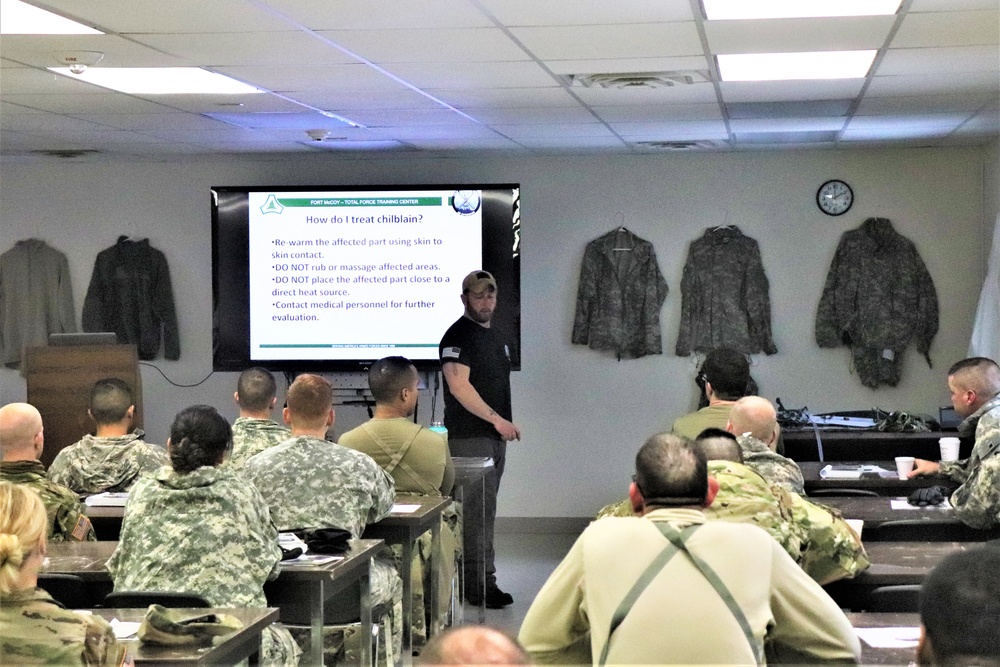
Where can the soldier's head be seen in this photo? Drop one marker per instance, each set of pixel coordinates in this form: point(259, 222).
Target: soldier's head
point(670, 471)
point(199, 436)
point(23, 526)
point(960, 610)
point(973, 382)
point(725, 375)
point(21, 434)
point(473, 645)
point(756, 416)
point(309, 405)
point(479, 296)
point(393, 383)
point(719, 445)
point(256, 392)
point(111, 402)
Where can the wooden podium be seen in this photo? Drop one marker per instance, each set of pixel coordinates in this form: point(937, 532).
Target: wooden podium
point(59, 381)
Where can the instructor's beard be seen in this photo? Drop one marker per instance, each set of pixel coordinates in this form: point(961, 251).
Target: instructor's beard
point(482, 316)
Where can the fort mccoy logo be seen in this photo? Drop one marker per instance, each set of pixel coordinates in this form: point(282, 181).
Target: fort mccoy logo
point(272, 205)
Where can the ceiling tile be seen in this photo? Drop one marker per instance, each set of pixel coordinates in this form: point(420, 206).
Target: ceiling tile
point(17, 109)
point(47, 124)
point(99, 103)
point(576, 130)
point(515, 74)
point(788, 125)
point(625, 65)
point(384, 14)
point(573, 143)
point(453, 131)
point(789, 109)
point(942, 60)
point(587, 12)
point(103, 138)
point(658, 112)
point(672, 130)
point(31, 81)
point(983, 83)
point(355, 77)
point(441, 45)
point(405, 117)
point(949, 29)
point(790, 91)
point(793, 35)
point(42, 51)
point(173, 16)
point(827, 136)
point(204, 103)
point(543, 115)
point(153, 121)
point(235, 49)
point(508, 98)
point(375, 100)
point(688, 94)
point(653, 40)
point(916, 120)
point(884, 133)
point(921, 104)
point(951, 5)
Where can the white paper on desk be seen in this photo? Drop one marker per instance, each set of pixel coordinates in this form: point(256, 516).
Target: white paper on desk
point(400, 508)
point(904, 504)
point(844, 472)
point(856, 524)
point(899, 637)
point(124, 629)
point(107, 499)
point(312, 559)
point(290, 541)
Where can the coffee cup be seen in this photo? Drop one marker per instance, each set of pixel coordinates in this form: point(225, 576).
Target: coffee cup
point(904, 465)
point(949, 448)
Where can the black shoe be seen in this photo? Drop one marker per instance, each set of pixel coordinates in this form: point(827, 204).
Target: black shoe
point(497, 599)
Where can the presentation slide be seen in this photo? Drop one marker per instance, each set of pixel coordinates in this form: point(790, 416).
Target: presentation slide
point(336, 274)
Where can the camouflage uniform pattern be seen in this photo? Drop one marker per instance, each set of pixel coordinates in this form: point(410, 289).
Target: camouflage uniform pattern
point(252, 436)
point(95, 465)
point(37, 630)
point(977, 500)
point(834, 551)
point(206, 532)
point(772, 466)
point(878, 296)
point(312, 483)
point(67, 521)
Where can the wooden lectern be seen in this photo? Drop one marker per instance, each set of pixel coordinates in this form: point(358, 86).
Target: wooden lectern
point(59, 380)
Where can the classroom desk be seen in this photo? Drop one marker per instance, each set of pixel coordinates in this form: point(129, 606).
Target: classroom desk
point(876, 512)
point(107, 521)
point(854, 445)
point(885, 656)
point(295, 584)
point(884, 486)
point(229, 650)
point(893, 564)
point(470, 480)
point(404, 529)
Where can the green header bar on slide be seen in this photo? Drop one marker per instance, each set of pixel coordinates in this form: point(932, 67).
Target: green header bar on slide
point(330, 202)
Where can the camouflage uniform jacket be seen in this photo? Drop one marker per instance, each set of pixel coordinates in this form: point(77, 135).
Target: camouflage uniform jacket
point(772, 466)
point(878, 296)
point(252, 436)
point(312, 483)
point(832, 550)
point(724, 296)
point(65, 511)
point(95, 465)
point(977, 500)
point(206, 532)
point(37, 630)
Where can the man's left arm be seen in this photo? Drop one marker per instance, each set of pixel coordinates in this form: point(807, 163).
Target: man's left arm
point(977, 502)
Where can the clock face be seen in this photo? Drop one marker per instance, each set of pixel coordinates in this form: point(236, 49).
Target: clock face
point(835, 197)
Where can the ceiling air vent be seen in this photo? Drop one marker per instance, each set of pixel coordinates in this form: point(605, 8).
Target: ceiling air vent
point(66, 153)
point(675, 145)
point(621, 80)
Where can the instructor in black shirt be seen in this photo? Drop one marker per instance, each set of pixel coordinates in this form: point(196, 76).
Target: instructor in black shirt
point(475, 360)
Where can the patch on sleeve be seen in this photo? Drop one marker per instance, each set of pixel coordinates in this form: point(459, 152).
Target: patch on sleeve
point(451, 353)
point(82, 529)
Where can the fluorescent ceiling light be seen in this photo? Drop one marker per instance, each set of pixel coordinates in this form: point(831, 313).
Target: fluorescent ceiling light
point(716, 10)
point(789, 66)
point(20, 18)
point(161, 80)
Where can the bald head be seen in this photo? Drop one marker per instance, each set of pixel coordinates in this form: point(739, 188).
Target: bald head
point(20, 432)
point(473, 645)
point(756, 416)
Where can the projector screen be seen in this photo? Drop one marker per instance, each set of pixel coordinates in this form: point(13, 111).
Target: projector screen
point(333, 278)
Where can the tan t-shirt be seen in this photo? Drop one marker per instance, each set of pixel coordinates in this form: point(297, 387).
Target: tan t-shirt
point(427, 456)
point(713, 416)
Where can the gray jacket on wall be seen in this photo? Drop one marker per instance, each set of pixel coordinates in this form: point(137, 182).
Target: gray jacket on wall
point(724, 295)
point(36, 297)
point(620, 295)
point(878, 298)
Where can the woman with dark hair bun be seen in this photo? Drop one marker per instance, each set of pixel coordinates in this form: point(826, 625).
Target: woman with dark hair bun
point(198, 528)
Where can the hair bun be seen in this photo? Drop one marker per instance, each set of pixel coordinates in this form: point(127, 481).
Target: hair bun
point(11, 552)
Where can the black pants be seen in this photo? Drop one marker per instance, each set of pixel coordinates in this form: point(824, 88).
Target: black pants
point(496, 449)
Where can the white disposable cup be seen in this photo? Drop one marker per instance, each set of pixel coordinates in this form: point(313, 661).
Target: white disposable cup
point(949, 448)
point(904, 464)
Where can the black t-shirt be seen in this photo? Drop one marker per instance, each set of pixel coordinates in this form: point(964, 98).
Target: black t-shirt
point(487, 355)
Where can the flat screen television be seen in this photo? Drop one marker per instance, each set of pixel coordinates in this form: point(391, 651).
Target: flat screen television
point(332, 278)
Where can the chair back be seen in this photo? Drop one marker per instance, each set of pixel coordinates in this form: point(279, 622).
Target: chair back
point(68, 590)
point(926, 530)
point(843, 492)
point(903, 598)
point(142, 599)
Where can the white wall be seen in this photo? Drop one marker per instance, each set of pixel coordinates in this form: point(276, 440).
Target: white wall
point(583, 414)
point(991, 191)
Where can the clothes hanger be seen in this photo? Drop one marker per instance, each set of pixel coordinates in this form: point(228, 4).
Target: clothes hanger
point(621, 230)
point(725, 223)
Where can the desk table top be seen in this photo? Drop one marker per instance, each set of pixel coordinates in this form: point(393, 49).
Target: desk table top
point(885, 656)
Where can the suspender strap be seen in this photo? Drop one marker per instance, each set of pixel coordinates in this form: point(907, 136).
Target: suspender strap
point(638, 587)
point(679, 541)
point(396, 459)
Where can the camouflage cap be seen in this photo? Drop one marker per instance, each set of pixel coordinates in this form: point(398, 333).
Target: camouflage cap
point(173, 627)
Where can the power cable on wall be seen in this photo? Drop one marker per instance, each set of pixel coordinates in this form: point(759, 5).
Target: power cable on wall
point(202, 381)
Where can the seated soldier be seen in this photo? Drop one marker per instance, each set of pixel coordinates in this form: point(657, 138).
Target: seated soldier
point(113, 458)
point(754, 422)
point(419, 462)
point(310, 483)
point(254, 430)
point(724, 378)
point(21, 444)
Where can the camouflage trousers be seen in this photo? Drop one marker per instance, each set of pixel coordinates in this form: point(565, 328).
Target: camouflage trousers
point(278, 648)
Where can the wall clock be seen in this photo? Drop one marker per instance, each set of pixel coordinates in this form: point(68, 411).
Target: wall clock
point(835, 197)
